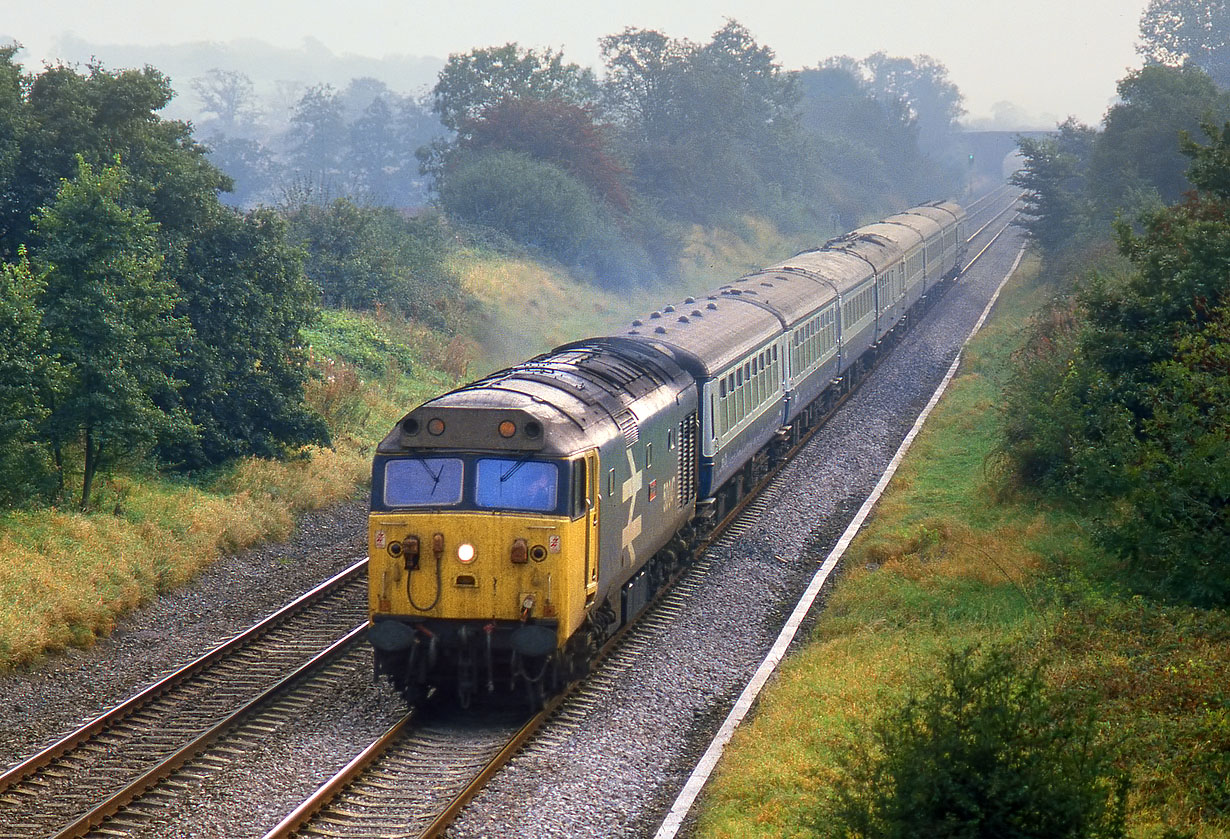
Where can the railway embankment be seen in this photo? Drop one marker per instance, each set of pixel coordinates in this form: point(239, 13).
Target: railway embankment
point(955, 558)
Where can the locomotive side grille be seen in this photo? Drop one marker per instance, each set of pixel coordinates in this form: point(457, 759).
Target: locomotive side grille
point(626, 420)
point(687, 460)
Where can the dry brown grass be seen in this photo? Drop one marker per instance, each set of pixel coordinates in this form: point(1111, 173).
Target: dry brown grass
point(66, 576)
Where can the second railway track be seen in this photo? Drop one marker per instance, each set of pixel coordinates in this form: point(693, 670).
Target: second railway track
point(74, 784)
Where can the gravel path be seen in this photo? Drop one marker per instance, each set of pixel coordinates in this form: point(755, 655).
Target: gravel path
point(616, 775)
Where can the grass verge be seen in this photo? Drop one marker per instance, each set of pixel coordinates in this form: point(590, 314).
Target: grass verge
point(950, 559)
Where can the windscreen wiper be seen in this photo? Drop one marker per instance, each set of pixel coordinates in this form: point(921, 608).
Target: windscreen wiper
point(435, 476)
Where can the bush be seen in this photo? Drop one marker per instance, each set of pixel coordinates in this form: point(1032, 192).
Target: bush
point(540, 205)
point(984, 752)
point(365, 257)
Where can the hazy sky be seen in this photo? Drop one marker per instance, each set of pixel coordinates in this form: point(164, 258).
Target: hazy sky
point(1051, 58)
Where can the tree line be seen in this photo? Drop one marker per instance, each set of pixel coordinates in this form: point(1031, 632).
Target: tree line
point(1119, 400)
point(141, 316)
point(153, 291)
point(605, 174)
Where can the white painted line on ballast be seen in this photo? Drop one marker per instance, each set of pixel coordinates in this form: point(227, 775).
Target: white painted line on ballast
point(700, 775)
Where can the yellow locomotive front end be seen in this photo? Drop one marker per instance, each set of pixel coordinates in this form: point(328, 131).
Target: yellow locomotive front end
point(481, 559)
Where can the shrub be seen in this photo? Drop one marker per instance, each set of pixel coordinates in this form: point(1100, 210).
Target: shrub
point(540, 205)
point(983, 752)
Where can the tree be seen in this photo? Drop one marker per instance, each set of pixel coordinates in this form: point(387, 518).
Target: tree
point(98, 116)
point(1161, 342)
point(109, 314)
point(1175, 527)
point(921, 84)
point(640, 65)
point(230, 96)
point(28, 375)
point(12, 129)
point(553, 131)
point(984, 751)
point(318, 133)
point(710, 128)
point(538, 204)
point(360, 257)
point(868, 144)
point(250, 166)
point(1136, 162)
point(1127, 409)
point(472, 82)
point(1056, 186)
point(243, 368)
point(1175, 32)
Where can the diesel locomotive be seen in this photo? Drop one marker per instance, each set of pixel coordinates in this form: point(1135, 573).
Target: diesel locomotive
point(517, 522)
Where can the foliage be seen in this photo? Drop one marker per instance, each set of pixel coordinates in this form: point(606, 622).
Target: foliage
point(1176, 526)
point(362, 257)
point(318, 127)
point(243, 367)
point(553, 131)
point(1126, 408)
point(251, 167)
point(869, 143)
point(97, 116)
point(918, 88)
point(1055, 181)
point(540, 205)
point(1174, 32)
point(109, 314)
point(28, 374)
point(1079, 180)
point(359, 141)
point(473, 82)
point(1137, 155)
point(985, 751)
point(230, 97)
point(710, 129)
point(174, 320)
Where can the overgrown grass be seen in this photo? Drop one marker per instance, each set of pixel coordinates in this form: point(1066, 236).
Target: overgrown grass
point(65, 576)
point(951, 559)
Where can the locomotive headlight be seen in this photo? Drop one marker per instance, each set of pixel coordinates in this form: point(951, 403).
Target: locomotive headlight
point(465, 553)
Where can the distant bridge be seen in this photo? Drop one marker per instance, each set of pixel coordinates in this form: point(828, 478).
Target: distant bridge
point(987, 151)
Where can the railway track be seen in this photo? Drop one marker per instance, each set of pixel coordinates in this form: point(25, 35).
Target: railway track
point(93, 773)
